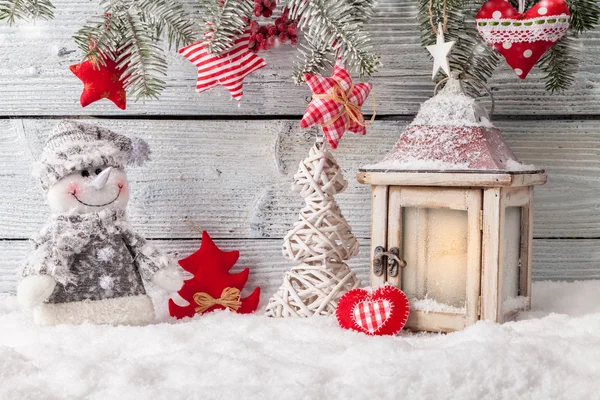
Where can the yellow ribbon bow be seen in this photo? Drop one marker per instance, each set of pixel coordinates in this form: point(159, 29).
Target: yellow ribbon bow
point(352, 110)
point(230, 298)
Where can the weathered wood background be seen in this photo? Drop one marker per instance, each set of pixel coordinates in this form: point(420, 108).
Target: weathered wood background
point(229, 168)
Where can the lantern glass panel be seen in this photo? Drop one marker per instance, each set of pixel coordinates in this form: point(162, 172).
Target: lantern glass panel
point(512, 253)
point(435, 249)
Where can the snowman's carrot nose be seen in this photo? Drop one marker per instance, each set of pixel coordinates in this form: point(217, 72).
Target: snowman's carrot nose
point(101, 179)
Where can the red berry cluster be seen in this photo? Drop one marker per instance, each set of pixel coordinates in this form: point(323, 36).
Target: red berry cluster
point(265, 37)
point(264, 7)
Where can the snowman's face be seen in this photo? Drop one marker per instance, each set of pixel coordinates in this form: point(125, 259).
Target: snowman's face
point(90, 191)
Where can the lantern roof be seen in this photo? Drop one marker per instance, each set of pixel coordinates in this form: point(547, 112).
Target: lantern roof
point(451, 133)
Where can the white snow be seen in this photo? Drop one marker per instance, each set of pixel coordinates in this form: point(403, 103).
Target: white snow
point(514, 165)
point(451, 107)
point(451, 110)
point(415, 164)
point(553, 352)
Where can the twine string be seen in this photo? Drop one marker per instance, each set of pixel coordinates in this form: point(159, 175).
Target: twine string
point(230, 298)
point(445, 18)
point(350, 109)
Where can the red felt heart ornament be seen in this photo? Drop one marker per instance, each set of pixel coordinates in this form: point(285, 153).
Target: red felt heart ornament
point(383, 311)
point(522, 38)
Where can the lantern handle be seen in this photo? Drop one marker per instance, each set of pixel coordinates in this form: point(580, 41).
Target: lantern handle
point(476, 82)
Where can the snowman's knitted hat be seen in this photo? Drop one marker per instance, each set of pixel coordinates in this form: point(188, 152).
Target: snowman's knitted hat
point(74, 146)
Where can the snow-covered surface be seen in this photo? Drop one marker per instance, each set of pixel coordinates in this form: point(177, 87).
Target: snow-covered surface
point(553, 352)
point(513, 165)
point(415, 164)
point(452, 107)
point(430, 305)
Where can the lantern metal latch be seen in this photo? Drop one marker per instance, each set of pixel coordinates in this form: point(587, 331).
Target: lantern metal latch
point(394, 262)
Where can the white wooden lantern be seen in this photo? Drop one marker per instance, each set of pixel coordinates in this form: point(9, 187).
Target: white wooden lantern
point(456, 240)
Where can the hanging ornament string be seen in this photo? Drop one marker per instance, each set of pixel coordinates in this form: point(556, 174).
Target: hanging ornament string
point(350, 109)
point(230, 298)
point(445, 18)
point(195, 225)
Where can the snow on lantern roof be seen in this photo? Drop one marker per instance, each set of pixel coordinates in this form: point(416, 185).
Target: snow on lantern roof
point(452, 107)
point(451, 133)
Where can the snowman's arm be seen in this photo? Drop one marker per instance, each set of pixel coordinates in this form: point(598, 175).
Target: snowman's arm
point(47, 258)
point(40, 273)
point(39, 261)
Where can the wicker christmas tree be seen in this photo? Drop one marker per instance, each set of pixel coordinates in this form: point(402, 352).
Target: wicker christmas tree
point(321, 241)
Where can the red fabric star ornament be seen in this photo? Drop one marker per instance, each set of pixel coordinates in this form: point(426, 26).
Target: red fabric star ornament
point(336, 104)
point(102, 83)
point(228, 69)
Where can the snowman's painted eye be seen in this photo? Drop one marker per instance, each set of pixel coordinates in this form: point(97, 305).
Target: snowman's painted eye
point(97, 171)
point(85, 173)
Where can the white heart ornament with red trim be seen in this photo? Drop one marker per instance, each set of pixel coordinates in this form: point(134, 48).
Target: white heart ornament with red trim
point(522, 38)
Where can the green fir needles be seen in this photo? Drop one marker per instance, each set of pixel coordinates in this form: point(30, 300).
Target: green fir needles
point(334, 28)
point(133, 33)
point(11, 10)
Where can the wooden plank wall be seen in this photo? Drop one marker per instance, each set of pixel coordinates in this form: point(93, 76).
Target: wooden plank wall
point(229, 168)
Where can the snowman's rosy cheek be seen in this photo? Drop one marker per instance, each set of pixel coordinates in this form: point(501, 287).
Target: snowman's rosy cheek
point(73, 188)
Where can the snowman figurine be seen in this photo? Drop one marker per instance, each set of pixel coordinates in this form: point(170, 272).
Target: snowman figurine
point(87, 263)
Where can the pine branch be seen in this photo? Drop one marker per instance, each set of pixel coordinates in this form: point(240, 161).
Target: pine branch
point(11, 10)
point(100, 38)
point(169, 16)
point(316, 57)
point(585, 14)
point(130, 32)
point(560, 64)
point(362, 10)
point(224, 21)
point(470, 54)
point(331, 23)
point(141, 57)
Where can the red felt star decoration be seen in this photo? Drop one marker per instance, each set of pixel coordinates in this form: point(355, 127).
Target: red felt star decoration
point(100, 83)
point(228, 69)
point(336, 104)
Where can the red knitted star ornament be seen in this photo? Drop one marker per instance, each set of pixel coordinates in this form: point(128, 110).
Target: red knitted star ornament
point(336, 104)
point(228, 69)
point(100, 83)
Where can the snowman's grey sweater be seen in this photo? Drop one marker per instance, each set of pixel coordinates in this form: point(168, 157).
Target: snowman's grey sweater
point(93, 257)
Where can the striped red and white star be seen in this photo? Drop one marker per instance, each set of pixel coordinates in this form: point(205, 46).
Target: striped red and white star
point(228, 69)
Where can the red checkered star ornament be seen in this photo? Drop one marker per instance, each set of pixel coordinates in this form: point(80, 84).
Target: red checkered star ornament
point(228, 69)
point(336, 104)
point(100, 82)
